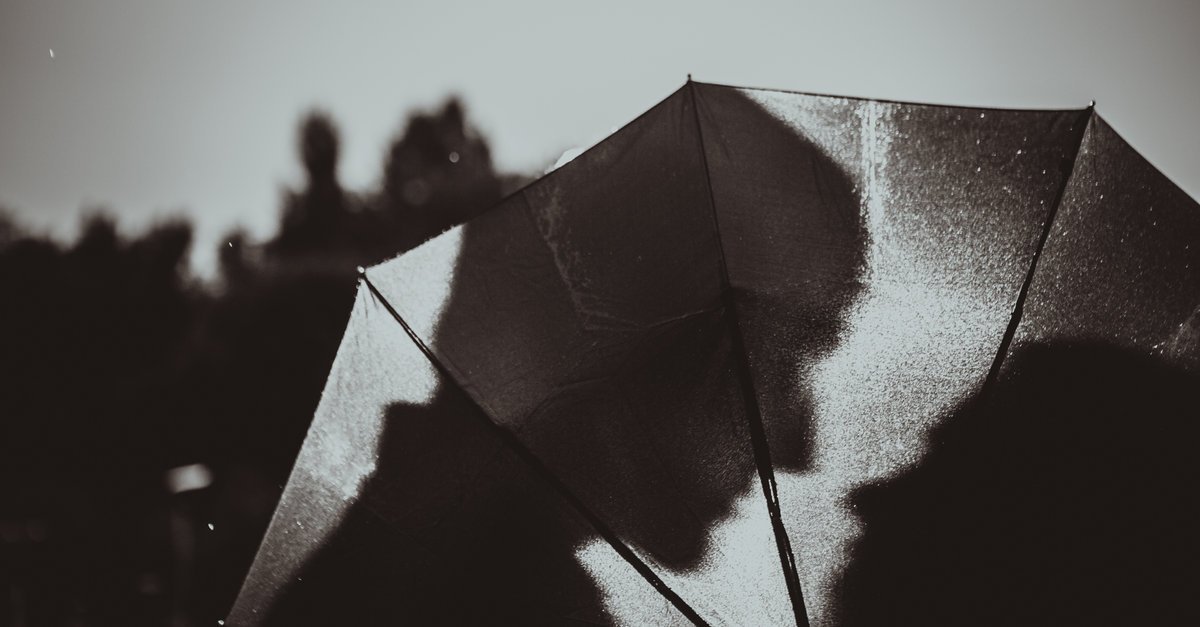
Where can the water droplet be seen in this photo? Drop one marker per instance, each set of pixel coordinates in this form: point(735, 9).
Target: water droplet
point(982, 115)
point(230, 244)
point(52, 53)
point(1019, 152)
point(977, 142)
point(979, 169)
point(210, 526)
point(453, 157)
point(1101, 196)
point(1043, 171)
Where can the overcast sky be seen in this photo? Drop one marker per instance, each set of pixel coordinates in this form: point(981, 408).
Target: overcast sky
point(159, 107)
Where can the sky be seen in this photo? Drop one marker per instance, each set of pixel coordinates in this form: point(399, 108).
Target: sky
point(158, 108)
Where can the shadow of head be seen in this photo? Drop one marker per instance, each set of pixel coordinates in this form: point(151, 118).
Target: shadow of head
point(1066, 496)
point(451, 529)
point(795, 243)
point(658, 444)
point(454, 527)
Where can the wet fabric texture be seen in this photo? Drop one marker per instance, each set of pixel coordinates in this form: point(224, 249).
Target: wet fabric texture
point(759, 358)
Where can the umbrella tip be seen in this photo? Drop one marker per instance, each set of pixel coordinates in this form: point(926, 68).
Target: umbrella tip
point(362, 272)
point(689, 77)
point(1091, 104)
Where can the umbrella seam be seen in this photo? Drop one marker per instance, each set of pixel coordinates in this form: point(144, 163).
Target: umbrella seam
point(910, 103)
point(758, 437)
point(539, 469)
point(1018, 311)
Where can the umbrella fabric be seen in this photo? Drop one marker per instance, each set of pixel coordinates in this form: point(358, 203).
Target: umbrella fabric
point(1120, 265)
point(856, 357)
point(402, 502)
point(1065, 494)
point(689, 375)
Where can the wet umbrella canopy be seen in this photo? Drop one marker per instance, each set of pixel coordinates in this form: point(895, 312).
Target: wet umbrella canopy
point(770, 358)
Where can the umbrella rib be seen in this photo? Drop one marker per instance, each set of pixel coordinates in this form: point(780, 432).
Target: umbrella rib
point(758, 435)
point(1019, 307)
point(535, 464)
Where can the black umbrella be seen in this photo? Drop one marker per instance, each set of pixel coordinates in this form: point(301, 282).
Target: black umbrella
point(763, 357)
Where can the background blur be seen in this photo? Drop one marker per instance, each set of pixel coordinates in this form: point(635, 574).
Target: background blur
point(187, 187)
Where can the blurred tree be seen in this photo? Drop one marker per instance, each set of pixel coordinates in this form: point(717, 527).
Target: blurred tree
point(265, 346)
point(8, 228)
point(118, 366)
point(267, 342)
point(312, 217)
point(91, 358)
point(437, 173)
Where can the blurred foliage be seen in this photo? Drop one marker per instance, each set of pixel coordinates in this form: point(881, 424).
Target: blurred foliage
point(118, 365)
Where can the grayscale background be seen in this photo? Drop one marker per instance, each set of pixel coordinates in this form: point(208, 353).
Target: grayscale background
point(153, 108)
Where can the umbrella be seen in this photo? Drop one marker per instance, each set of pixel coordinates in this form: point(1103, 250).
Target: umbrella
point(763, 357)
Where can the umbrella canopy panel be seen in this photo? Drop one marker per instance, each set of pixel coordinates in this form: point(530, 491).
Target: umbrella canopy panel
point(1064, 492)
point(587, 317)
point(1122, 263)
point(405, 506)
point(876, 251)
point(726, 366)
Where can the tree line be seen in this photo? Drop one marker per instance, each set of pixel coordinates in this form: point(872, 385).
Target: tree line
point(119, 365)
